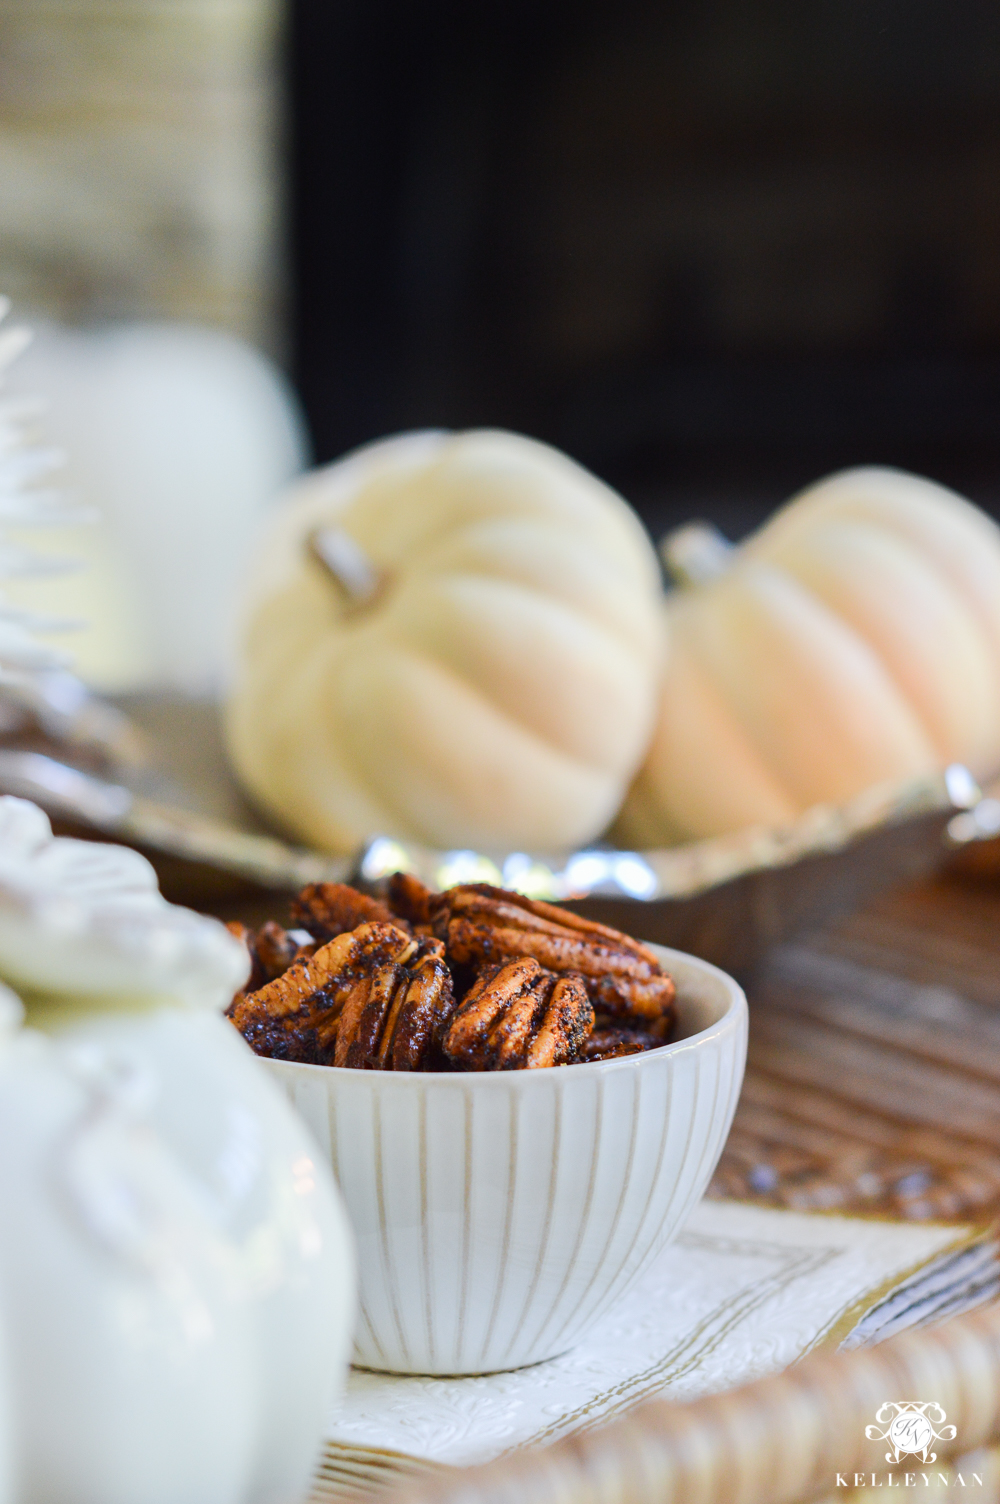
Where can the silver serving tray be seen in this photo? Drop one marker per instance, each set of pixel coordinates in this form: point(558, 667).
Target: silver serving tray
point(728, 899)
point(732, 898)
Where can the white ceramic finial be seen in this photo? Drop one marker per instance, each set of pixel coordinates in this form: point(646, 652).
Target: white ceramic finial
point(86, 922)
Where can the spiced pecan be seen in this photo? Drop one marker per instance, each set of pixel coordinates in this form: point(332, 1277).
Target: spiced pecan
point(483, 926)
point(272, 950)
point(610, 1044)
point(329, 909)
point(276, 949)
point(373, 999)
point(409, 898)
point(518, 1016)
point(297, 1015)
point(390, 1020)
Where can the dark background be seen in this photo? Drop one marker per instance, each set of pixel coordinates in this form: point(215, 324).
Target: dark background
point(712, 249)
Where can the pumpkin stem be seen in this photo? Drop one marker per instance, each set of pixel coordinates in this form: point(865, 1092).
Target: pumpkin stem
point(696, 553)
point(347, 563)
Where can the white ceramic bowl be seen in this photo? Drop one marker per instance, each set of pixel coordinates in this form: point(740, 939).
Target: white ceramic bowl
point(499, 1214)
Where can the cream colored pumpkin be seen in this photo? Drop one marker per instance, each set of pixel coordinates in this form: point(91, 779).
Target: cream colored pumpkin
point(854, 639)
point(485, 673)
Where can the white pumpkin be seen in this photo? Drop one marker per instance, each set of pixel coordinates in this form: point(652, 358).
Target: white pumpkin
point(855, 639)
point(484, 673)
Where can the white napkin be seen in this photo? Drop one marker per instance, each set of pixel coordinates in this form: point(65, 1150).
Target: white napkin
point(742, 1292)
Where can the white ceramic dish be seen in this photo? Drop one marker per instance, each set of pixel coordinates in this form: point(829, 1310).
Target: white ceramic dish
point(176, 1268)
point(499, 1214)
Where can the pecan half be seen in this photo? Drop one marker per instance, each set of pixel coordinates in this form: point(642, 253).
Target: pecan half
point(297, 1015)
point(518, 1016)
point(276, 949)
point(390, 1021)
point(482, 926)
point(272, 950)
point(374, 999)
point(409, 898)
point(330, 909)
point(610, 1044)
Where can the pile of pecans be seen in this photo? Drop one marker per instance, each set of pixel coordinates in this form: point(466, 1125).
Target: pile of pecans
point(473, 979)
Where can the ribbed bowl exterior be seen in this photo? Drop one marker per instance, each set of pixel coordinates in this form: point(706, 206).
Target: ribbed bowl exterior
point(498, 1215)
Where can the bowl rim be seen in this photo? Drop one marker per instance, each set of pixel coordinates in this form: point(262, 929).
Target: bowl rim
point(735, 1011)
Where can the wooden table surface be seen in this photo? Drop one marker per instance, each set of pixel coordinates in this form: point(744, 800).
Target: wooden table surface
point(873, 1078)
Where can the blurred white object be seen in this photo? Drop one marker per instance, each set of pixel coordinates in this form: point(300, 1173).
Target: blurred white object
point(24, 506)
point(35, 686)
point(7, 1459)
point(84, 921)
point(132, 1360)
point(7, 1481)
point(179, 436)
point(176, 1271)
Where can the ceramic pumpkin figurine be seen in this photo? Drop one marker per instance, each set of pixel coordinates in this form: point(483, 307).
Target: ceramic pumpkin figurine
point(176, 1269)
point(451, 638)
point(854, 640)
point(115, 1298)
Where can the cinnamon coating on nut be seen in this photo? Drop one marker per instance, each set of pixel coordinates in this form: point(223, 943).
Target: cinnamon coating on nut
point(483, 925)
point(425, 1010)
point(518, 1016)
point(390, 1020)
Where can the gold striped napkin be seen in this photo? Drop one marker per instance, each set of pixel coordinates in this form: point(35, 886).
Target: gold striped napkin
point(743, 1291)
